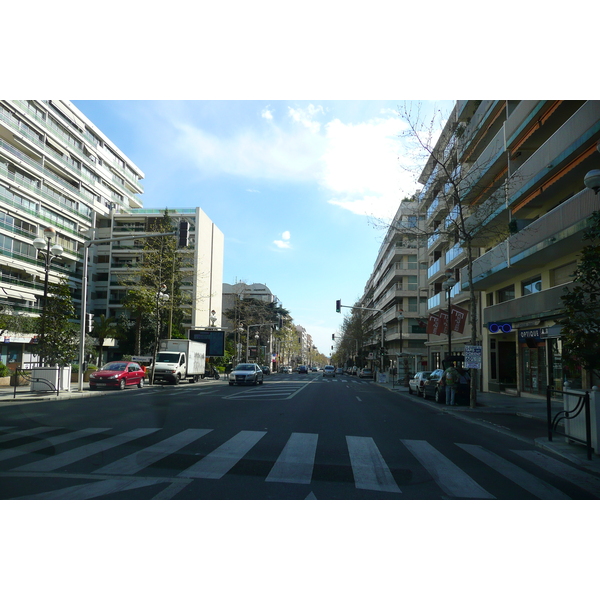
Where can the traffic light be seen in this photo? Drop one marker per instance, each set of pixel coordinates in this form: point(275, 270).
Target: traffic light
point(184, 233)
point(333, 336)
point(338, 306)
point(89, 322)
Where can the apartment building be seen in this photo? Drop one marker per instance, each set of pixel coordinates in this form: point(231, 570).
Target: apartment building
point(202, 263)
point(509, 176)
point(56, 170)
point(59, 171)
point(396, 292)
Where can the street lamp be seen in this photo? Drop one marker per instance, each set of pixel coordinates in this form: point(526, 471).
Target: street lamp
point(43, 246)
point(257, 338)
point(160, 298)
point(592, 179)
point(447, 286)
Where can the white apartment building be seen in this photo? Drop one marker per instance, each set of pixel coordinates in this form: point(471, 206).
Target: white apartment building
point(202, 267)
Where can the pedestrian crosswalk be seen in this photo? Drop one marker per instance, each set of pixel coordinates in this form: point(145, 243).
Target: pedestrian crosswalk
point(125, 461)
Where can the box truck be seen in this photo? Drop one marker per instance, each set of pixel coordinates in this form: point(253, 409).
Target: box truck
point(177, 360)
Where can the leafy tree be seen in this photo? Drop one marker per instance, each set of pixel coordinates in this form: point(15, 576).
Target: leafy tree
point(159, 275)
point(352, 336)
point(59, 344)
point(581, 325)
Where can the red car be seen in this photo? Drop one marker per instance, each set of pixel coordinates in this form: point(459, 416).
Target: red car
point(117, 374)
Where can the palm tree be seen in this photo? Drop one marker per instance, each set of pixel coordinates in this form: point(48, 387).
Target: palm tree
point(104, 328)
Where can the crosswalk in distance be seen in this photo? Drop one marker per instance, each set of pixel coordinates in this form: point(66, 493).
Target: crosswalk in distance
point(59, 451)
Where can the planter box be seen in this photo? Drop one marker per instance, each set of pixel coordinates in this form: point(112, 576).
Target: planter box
point(5, 381)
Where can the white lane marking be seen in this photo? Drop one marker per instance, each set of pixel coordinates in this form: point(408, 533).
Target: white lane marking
point(170, 491)
point(137, 461)
point(358, 399)
point(48, 442)
point(71, 456)
point(586, 481)
point(370, 470)
point(88, 491)
point(535, 486)
point(311, 496)
point(450, 478)
point(221, 460)
point(296, 461)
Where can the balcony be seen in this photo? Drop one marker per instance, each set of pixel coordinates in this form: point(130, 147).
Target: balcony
point(556, 154)
point(542, 305)
point(558, 233)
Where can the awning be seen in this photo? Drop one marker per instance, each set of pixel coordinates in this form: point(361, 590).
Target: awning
point(19, 294)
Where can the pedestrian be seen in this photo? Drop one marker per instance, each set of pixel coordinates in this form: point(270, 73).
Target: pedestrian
point(450, 379)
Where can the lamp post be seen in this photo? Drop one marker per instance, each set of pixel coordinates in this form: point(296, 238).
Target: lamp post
point(447, 286)
point(160, 297)
point(43, 245)
point(257, 338)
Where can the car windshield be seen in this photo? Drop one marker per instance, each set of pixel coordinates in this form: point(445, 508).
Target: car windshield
point(167, 357)
point(114, 367)
point(245, 367)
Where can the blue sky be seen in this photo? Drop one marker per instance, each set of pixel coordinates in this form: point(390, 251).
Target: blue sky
point(300, 189)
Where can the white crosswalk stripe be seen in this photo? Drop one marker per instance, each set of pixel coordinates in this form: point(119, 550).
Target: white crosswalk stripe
point(450, 478)
point(370, 470)
point(15, 435)
point(585, 481)
point(219, 461)
point(49, 442)
point(134, 463)
point(71, 456)
point(540, 489)
point(296, 461)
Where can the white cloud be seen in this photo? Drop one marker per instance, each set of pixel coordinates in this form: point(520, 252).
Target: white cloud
point(284, 241)
point(306, 117)
point(267, 114)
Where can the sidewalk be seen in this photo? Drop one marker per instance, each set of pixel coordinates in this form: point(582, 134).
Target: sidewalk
point(527, 415)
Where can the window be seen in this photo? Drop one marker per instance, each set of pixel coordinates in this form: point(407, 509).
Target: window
point(412, 282)
point(531, 286)
point(506, 294)
point(563, 274)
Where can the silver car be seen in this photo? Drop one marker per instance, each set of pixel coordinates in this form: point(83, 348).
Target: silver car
point(246, 374)
point(417, 382)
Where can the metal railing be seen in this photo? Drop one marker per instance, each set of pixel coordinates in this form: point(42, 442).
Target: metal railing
point(583, 404)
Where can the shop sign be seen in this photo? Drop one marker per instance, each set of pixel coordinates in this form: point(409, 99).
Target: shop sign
point(530, 334)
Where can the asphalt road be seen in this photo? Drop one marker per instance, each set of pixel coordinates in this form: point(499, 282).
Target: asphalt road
point(295, 437)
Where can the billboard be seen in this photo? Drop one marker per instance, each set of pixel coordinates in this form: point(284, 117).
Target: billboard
point(213, 338)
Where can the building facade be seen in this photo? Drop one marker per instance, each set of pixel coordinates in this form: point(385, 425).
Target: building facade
point(510, 176)
point(59, 171)
point(396, 293)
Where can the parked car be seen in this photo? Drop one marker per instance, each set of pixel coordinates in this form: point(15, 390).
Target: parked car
point(434, 388)
point(329, 371)
point(339, 371)
point(266, 370)
point(117, 374)
point(416, 383)
point(354, 371)
point(366, 374)
point(302, 369)
point(246, 373)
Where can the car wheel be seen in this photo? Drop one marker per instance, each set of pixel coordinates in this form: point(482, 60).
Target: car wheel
point(410, 390)
point(141, 383)
point(438, 396)
point(231, 383)
point(421, 392)
point(122, 384)
point(262, 381)
point(177, 379)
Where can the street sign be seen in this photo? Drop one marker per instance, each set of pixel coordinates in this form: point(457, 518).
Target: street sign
point(473, 356)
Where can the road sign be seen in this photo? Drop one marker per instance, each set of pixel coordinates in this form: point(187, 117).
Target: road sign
point(473, 356)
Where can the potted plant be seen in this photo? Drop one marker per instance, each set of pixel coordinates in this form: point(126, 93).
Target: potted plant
point(4, 374)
